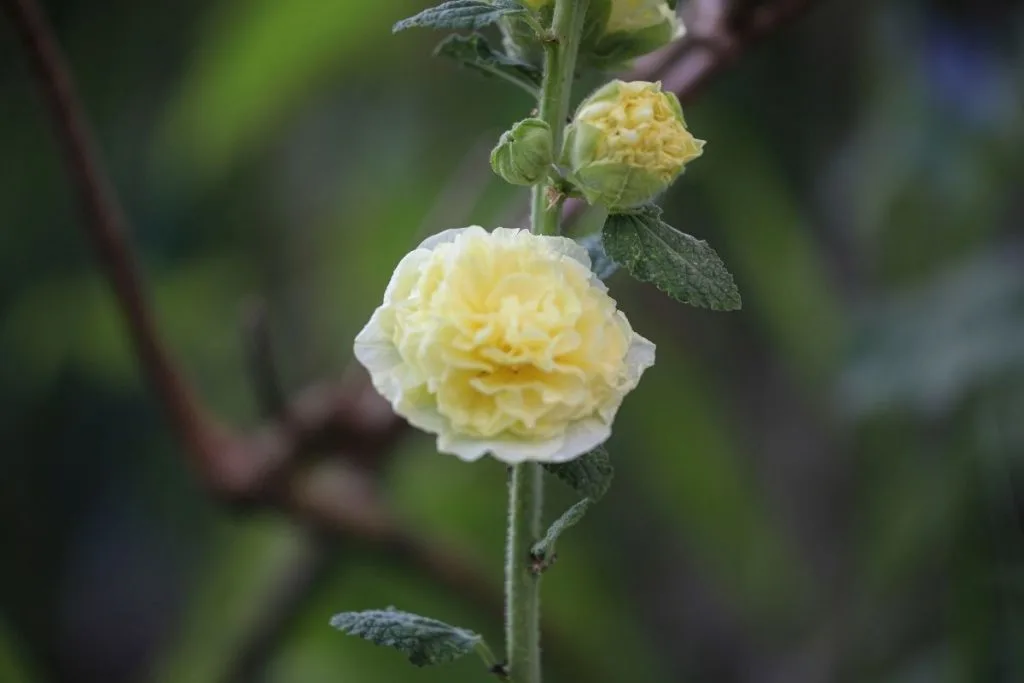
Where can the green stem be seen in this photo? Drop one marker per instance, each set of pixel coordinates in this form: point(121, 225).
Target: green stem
point(526, 483)
point(522, 585)
point(560, 52)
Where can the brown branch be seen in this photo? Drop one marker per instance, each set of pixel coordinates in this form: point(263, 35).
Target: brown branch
point(106, 232)
point(228, 464)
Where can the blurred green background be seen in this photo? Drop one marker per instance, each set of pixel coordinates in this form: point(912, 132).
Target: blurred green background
point(823, 487)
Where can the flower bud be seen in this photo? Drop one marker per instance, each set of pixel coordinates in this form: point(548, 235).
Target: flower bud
point(633, 28)
point(627, 143)
point(524, 153)
point(614, 31)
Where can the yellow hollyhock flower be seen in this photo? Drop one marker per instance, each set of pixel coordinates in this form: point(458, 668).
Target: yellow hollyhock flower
point(503, 343)
point(627, 143)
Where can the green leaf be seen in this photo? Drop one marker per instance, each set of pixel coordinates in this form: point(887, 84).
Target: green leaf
point(474, 52)
point(461, 14)
point(543, 550)
point(424, 641)
point(682, 266)
point(589, 475)
point(602, 265)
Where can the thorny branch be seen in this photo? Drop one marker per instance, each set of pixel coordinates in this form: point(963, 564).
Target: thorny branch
point(270, 467)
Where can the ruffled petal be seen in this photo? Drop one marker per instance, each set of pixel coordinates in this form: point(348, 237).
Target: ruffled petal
point(502, 343)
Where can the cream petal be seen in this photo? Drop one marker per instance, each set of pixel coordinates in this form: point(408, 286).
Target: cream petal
point(373, 346)
point(421, 414)
point(446, 236)
point(639, 357)
point(572, 249)
point(509, 451)
point(410, 384)
point(582, 437)
point(404, 277)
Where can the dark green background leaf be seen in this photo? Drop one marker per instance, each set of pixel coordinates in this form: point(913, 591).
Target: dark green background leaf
point(682, 266)
point(425, 641)
point(473, 51)
point(461, 14)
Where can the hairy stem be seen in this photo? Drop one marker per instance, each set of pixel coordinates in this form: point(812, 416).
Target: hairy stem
point(522, 585)
point(526, 483)
point(560, 50)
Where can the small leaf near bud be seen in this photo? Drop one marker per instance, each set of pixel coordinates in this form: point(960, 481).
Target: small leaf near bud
point(525, 153)
point(685, 268)
point(461, 14)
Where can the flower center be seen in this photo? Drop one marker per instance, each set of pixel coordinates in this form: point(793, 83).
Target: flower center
point(509, 336)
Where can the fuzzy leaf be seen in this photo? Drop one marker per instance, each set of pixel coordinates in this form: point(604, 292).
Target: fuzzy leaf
point(589, 475)
point(544, 549)
point(682, 266)
point(461, 14)
point(600, 262)
point(474, 52)
point(424, 641)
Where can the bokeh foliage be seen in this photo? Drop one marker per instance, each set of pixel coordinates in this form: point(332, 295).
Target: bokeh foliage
point(824, 487)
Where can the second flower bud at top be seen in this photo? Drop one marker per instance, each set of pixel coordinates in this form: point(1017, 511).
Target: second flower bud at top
point(524, 154)
point(627, 143)
point(614, 32)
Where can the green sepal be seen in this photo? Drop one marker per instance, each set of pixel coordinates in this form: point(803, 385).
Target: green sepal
point(593, 27)
point(423, 640)
point(682, 266)
point(474, 52)
point(605, 183)
point(617, 186)
point(615, 50)
point(461, 14)
point(524, 154)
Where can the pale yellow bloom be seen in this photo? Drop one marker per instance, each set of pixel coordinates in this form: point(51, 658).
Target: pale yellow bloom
point(503, 343)
point(641, 126)
point(628, 142)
